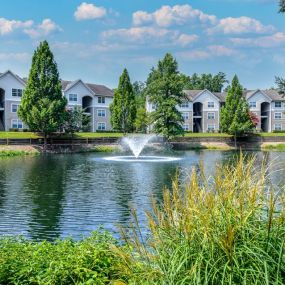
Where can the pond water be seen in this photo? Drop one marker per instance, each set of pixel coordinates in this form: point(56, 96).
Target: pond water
point(49, 197)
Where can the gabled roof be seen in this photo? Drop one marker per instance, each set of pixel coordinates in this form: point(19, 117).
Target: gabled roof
point(192, 95)
point(95, 89)
point(249, 93)
point(14, 75)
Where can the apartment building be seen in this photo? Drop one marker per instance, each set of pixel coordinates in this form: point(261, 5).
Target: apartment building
point(94, 98)
point(201, 110)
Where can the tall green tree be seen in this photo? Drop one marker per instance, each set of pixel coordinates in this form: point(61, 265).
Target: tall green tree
point(123, 108)
point(213, 83)
point(235, 115)
point(43, 107)
point(281, 6)
point(165, 90)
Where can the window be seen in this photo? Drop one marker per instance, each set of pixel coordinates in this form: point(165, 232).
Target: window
point(101, 113)
point(185, 115)
point(252, 104)
point(278, 116)
point(17, 124)
point(185, 105)
point(14, 108)
point(72, 98)
point(153, 106)
point(101, 100)
point(211, 128)
point(277, 127)
point(17, 92)
point(211, 116)
point(211, 104)
point(277, 104)
point(101, 126)
point(185, 128)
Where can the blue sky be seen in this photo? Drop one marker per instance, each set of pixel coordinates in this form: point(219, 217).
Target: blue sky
point(95, 40)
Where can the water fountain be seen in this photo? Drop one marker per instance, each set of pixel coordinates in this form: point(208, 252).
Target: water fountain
point(136, 144)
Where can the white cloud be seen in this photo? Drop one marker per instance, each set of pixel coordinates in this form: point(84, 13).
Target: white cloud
point(87, 11)
point(240, 25)
point(15, 56)
point(274, 40)
point(210, 52)
point(42, 30)
point(8, 26)
point(167, 16)
point(185, 40)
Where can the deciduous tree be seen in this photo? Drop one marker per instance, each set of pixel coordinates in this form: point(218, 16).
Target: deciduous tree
point(165, 90)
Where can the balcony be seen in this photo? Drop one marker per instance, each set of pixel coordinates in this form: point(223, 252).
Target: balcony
point(265, 114)
point(197, 114)
point(2, 107)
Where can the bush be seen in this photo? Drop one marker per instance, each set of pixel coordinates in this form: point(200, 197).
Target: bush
point(13, 130)
point(226, 230)
point(65, 262)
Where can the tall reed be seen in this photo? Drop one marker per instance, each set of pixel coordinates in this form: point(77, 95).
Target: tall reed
point(226, 230)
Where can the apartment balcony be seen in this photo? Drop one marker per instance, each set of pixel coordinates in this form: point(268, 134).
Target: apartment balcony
point(2, 107)
point(265, 114)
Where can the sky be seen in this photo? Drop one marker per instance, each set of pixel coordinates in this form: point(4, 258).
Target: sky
point(95, 40)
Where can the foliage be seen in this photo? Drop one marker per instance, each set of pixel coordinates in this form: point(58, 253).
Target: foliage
point(141, 121)
point(226, 230)
point(235, 115)
point(281, 6)
point(64, 262)
point(139, 90)
point(165, 90)
point(213, 83)
point(10, 153)
point(254, 119)
point(123, 107)
point(42, 107)
point(76, 120)
point(281, 84)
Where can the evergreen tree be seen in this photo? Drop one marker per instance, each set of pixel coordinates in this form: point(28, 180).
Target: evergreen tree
point(235, 115)
point(141, 121)
point(43, 106)
point(165, 90)
point(282, 6)
point(123, 108)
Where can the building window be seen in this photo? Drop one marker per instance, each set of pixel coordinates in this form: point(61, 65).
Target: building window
point(185, 115)
point(277, 104)
point(14, 108)
point(101, 113)
point(211, 128)
point(101, 126)
point(17, 124)
point(186, 128)
point(278, 116)
point(72, 97)
point(184, 105)
point(211, 116)
point(101, 100)
point(153, 106)
point(211, 104)
point(277, 127)
point(252, 104)
point(17, 92)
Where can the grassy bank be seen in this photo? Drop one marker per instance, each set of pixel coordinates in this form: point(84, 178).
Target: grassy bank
point(274, 147)
point(226, 230)
point(10, 151)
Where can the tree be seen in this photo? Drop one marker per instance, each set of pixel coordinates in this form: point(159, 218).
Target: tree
point(141, 121)
point(76, 120)
point(282, 6)
point(213, 83)
point(123, 108)
point(235, 115)
point(43, 106)
point(165, 90)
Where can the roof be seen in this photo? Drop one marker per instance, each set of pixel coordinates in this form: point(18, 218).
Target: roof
point(272, 94)
point(95, 88)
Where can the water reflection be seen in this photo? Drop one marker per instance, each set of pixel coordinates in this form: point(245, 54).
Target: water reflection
point(58, 196)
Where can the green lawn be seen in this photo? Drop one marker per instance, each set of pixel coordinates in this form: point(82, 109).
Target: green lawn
point(205, 135)
point(272, 134)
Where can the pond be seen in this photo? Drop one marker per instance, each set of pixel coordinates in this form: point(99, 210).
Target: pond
point(49, 197)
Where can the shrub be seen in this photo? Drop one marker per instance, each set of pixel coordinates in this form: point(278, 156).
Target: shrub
point(64, 262)
point(226, 230)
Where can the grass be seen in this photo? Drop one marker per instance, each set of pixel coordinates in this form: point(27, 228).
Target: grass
point(12, 153)
point(205, 135)
point(103, 148)
point(272, 134)
point(227, 229)
point(276, 147)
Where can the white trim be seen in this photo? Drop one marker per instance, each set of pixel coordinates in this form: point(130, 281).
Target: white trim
point(214, 125)
point(211, 113)
point(72, 101)
point(17, 120)
point(277, 113)
point(74, 83)
point(264, 94)
point(278, 129)
point(14, 75)
point(205, 90)
point(101, 102)
point(12, 107)
point(276, 106)
point(105, 114)
point(17, 92)
point(104, 123)
point(210, 102)
point(187, 114)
